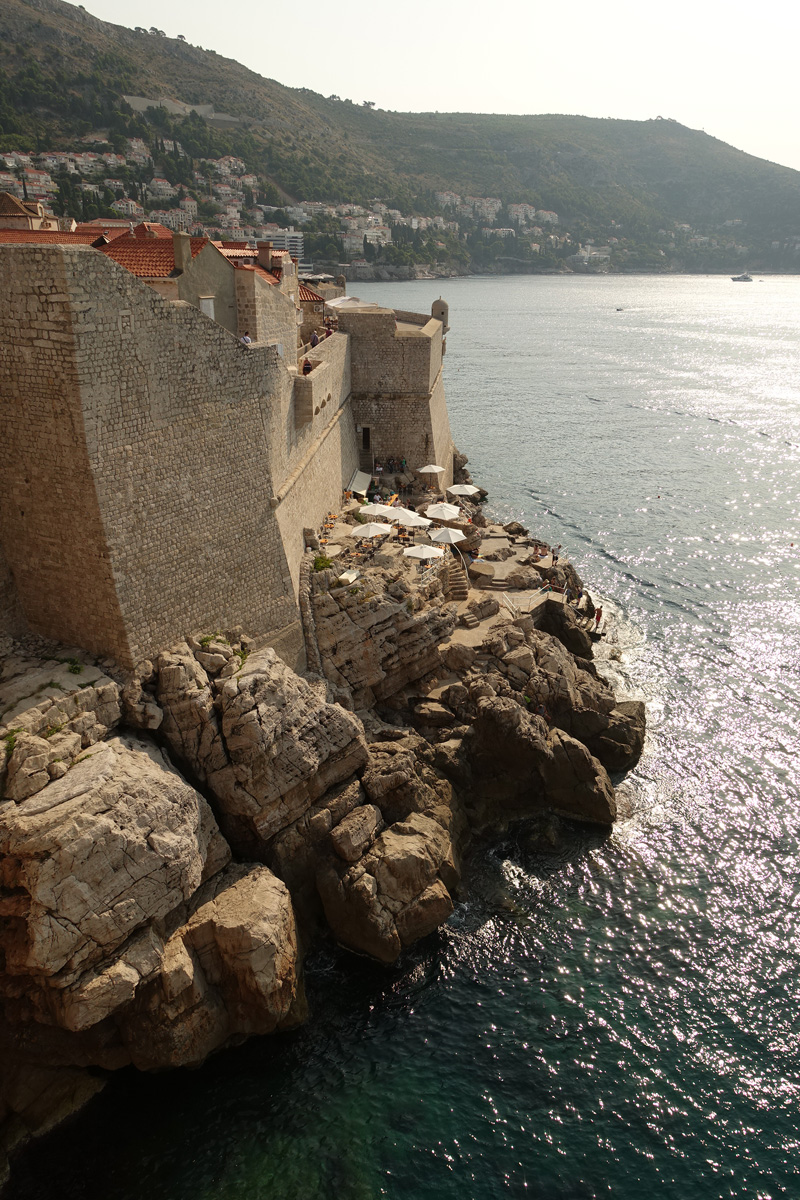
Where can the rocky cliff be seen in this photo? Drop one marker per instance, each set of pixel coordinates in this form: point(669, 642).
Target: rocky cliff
point(171, 841)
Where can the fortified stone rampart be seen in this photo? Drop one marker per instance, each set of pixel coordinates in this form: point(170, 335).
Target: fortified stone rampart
point(313, 451)
point(398, 394)
point(392, 356)
point(137, 503)
point(159, 475)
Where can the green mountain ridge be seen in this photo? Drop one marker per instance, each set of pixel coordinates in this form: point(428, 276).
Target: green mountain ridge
point(64, 72)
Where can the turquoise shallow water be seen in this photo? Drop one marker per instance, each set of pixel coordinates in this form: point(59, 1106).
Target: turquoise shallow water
point(623, 1016)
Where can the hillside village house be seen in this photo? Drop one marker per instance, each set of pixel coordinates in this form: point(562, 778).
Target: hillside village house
point(24, 214)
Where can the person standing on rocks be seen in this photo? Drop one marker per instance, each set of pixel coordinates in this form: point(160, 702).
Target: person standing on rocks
point(598, 613)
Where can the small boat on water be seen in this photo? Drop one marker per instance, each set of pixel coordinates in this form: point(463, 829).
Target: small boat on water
point(742, 278)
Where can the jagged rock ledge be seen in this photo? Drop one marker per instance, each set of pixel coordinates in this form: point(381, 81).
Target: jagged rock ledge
point(171, 842)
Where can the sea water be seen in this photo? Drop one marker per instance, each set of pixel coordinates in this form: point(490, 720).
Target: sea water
point(620, 1017)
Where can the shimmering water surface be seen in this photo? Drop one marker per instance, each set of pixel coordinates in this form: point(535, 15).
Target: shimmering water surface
point(621, 1018)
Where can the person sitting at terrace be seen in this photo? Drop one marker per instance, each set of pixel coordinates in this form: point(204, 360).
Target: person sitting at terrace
point(307, 367)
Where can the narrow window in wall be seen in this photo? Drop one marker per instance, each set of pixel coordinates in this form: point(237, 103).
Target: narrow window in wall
point(207, 306)
point(365, 442)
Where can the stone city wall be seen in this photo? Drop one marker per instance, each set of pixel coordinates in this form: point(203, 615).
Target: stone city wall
point(397, 388)
point(313, 451)
point(51, 527)
point(316, 488)
point(409, 427)
point(385, 359)
point(159, 474)
point(138, 480)
point(12, 622)
point(327, 384)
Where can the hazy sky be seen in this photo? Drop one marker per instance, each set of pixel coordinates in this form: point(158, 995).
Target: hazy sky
point(729, 69)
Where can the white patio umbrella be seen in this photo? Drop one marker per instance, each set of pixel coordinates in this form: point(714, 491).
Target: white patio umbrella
point(371, 530)
point(450, 536)
point(404, 516)
point(422, 552)
point(443, 512)
point(430, 470)
point(464, 489)
point(376, 510)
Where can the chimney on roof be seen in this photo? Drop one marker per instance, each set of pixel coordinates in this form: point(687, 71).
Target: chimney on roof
point(265, 255)
point(182, 250)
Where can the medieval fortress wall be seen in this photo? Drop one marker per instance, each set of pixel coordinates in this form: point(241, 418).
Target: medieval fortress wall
point(158, 476)
point(398, 393)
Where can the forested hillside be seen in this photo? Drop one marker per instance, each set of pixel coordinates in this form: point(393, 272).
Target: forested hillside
point(63, 74)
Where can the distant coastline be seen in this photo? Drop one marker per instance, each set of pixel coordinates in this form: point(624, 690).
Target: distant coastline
point(385, 273)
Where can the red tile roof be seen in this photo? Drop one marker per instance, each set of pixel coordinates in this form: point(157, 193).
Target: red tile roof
point(238, 252)
point(259, 270)
point(50, 236)
point(148, 229)
point(10, 206)
point(304, 292)
point(149, 258)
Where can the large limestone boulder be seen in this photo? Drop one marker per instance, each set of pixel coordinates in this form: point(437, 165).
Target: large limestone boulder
point(190, 720)
point(266, 742)
point(48, 722)
point(620, 744)
point(231, 969)
point(296, 852)
point(90, 867)
point(571, 692)
point(285, 744)
point(561, 621)
point(395, 894)
point(398, 779)
point(575, 783)
point(533, 767)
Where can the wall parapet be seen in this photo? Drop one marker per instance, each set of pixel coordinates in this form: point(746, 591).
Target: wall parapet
point(324, 385)
point(412, 318)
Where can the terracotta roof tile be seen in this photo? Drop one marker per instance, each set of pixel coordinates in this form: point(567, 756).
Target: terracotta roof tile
point(49, 236)
point(258, 270)
point(304, 292)
point(229, 252)
point(148, 258)
point(10, 206)
point(146, 229)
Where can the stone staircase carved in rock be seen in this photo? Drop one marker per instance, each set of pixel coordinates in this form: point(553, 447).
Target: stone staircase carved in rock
point(458, 585)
